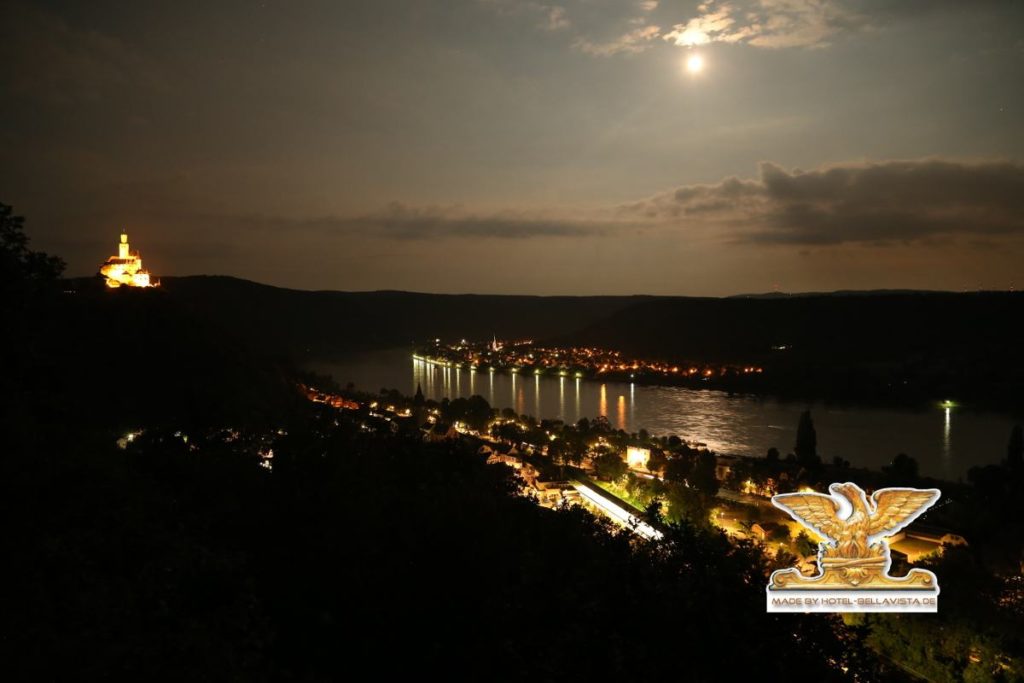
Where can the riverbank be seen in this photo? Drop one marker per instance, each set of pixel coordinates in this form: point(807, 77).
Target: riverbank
point(945, 441)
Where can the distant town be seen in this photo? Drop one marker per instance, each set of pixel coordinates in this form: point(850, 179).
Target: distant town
point(525, 356)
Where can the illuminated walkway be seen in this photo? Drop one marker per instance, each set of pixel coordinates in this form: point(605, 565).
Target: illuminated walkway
point(617, 509)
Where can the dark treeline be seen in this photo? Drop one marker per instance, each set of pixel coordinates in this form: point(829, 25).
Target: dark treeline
point(361, 552)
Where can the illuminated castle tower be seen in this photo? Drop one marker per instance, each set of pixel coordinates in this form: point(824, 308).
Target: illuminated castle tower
point(126, 268)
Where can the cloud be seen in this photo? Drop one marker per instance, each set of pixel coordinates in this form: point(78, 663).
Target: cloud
point(551, 17)
point(600, 28)
point(877, 203)
point(768, 24)
point(557, 18)
point(400, 221)
point(604, 28)
point(631, 42)
point(710, 25)
point(43, 57)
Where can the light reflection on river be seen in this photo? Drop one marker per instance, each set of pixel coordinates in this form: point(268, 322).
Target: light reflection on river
point(945, 442)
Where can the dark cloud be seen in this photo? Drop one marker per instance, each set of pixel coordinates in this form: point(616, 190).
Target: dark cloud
point(888, 202)
point(45, 58)
point(404, 222)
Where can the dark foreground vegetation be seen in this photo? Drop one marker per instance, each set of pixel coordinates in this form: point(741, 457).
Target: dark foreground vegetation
point(245, 534)
point(363, 552)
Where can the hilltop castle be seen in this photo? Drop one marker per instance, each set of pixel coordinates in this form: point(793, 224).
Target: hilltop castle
point(126, 268)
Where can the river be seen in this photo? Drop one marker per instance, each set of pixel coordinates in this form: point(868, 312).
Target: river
point(944, 441)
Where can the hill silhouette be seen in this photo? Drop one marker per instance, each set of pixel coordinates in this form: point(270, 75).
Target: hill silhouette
point(874, 346)
point(318, 323)
point(95, 358)
point(900, 346)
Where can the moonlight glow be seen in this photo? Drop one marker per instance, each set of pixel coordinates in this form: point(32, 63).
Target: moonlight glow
point(694, 63)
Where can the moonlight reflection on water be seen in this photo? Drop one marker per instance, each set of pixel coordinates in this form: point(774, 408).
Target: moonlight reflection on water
point(945, 441)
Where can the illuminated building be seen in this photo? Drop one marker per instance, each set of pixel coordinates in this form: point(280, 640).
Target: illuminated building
point(636, 458)
point(126, 268)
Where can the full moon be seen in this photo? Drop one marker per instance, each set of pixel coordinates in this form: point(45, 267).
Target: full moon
point(694, 63)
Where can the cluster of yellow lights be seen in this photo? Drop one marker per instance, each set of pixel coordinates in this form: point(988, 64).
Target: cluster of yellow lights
point(125, 269)
point(767, 489)
point(565, 362)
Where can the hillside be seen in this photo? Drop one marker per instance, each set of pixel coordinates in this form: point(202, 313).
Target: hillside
point(900, 346)
point(96, 358)
point(304, 323)
point(904, 347)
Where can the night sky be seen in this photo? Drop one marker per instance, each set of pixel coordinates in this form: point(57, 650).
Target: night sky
point(503, 146)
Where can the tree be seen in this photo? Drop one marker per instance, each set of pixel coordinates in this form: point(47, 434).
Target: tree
point(772, 455)
point(806, 448)
point(783, 559)
point(804, 545)
point(610, 466)
point(474, 411)
point(657, 461)
point(779, 533)
point(20, 267)
point(574, 451)
point(678, 468)
point(653, 512)
point(418, 398)
point(903, 469)
point(686, 504)
point(1015, 449)
point(703, 478)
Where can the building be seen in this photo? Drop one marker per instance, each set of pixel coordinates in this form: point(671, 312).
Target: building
point(125, 269)
point(637, 458)
point(553, 493)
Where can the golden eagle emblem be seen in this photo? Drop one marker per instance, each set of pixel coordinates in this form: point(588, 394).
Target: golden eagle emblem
point(855, 553)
